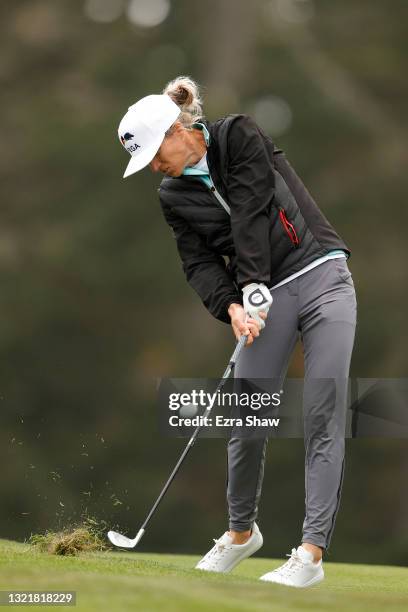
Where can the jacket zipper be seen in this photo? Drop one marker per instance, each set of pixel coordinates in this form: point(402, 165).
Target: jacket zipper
point(220, 199)
point(289, 228)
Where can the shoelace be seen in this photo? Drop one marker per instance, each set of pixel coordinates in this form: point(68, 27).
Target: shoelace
point(217, 551)
point(293, 563)
point(220, 548)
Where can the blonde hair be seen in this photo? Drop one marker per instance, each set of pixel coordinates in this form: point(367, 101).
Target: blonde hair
point(185, 93)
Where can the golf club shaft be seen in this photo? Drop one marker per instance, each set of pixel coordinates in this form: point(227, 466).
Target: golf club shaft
point(234, 357)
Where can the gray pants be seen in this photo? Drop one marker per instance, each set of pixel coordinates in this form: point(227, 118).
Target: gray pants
point(321, 305)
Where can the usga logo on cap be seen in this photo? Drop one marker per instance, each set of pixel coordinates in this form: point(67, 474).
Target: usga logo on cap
point(125, 138)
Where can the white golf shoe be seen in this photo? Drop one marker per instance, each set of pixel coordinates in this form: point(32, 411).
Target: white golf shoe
point(224, 556)
point(298, 571)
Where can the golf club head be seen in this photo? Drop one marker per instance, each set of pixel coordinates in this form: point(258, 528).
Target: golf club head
point(122, 541)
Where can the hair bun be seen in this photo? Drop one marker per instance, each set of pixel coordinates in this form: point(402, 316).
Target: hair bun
point(185, 93)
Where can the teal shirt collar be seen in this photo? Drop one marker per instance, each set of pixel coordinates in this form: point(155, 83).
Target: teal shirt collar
point(203, 127)
point(194, 171)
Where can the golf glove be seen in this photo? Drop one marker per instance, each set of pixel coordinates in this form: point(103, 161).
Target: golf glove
point(257, 297)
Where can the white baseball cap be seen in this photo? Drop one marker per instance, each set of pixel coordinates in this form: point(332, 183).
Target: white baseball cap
point(142, 129)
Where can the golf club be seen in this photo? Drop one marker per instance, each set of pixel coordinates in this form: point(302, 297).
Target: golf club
point(124, 542)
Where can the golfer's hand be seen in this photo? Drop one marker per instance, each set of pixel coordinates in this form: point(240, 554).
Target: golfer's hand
point(242, 324)
point(257, 299)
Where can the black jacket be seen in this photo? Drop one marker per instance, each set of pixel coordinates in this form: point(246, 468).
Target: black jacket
point(275, 227)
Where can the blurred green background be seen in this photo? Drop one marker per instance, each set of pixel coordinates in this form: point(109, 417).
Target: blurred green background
point(94, 306)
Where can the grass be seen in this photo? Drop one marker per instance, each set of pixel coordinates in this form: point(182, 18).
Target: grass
point(85, 537)
point(119, 581)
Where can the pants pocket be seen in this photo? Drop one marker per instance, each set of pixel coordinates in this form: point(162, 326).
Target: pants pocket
point(343, 271)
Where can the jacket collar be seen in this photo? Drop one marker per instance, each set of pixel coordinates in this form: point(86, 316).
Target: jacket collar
point(213, 156)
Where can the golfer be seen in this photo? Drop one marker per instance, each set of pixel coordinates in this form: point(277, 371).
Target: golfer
point(230, 195)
